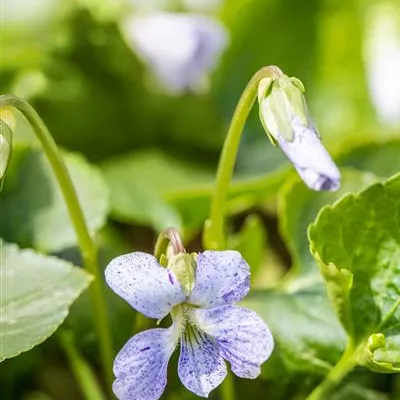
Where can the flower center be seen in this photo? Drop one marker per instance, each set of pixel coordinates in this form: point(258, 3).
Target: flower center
point(180, 315)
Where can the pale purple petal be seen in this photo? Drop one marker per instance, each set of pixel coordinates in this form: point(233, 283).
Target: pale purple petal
point(144, 284)
point(310, 158)
point(244, 339)
point(140, 367)
point(180, 48)
point(201, 368)
point(222, 277)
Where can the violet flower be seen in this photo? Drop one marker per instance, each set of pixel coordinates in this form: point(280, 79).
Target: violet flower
point(286, 120)
point(179, 48)
point(199, 291)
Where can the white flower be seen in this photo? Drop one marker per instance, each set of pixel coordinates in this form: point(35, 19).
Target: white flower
point(382, 56)
point(180, 49)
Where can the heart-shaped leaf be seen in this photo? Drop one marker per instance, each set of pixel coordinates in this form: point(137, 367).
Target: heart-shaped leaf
point(357, 245)
point(32, 210)
point(299, 312)
point(36, 293)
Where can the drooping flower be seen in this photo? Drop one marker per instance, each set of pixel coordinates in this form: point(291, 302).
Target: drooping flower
point(285, 117)
point(180, 49)
point(199, 291)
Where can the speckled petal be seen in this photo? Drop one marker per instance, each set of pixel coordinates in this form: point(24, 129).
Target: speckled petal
point(141, 366)
point(244, 339)
point(310, 158)
point(144, 284)
point(201, 368)
point(222, 277)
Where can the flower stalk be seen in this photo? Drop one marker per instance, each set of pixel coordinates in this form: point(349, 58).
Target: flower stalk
point(346, 363)
point(213, 236)
point(284, 115)
point(169, 237)
point(81, 369)
point(86, 243)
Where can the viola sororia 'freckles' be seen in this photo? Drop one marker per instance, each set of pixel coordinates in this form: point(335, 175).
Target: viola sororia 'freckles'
point(208, 326)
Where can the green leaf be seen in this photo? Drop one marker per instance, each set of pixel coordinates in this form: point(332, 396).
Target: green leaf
point(352, 391)
point(32, 210)
point(357, 245)
point(139, 183)
point(380, 158)
point(244, 193)
point(305, 329)
point(297, 208)
point(302, 320)
point(37, 293)
point(154, 188)
point(251, 242)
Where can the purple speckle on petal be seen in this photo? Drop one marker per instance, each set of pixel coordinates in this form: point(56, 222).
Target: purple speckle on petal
point(222, 277)
point(227, 296)
point(201, 367)
point(147, 286)
point(243, 338)
point(140, 368)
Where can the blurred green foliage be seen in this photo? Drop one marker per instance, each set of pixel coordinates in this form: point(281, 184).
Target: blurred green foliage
point(142, 159)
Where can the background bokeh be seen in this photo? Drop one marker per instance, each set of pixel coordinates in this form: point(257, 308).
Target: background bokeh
point(143, 151)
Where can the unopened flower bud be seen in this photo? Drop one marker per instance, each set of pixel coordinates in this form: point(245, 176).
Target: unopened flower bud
point(5, 147)
point(286, 120)
point(184, 267)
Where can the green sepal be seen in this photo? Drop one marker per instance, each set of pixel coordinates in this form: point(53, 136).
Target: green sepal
point(268, 133)
point(5, 147)
point(297, 82)
point(281, 100)
point(184, 267)
point(264, 90)
point(280, 108)
point(293, 90)
point(163, 260)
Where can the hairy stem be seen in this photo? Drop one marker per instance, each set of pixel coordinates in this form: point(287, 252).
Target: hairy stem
point(86, 243)
point(214, 237)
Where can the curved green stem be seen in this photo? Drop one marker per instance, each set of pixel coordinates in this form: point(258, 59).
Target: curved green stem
point(227, 390)
point(346, 363)
point(81, 369)
point(86, 243)
point(214, 237)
